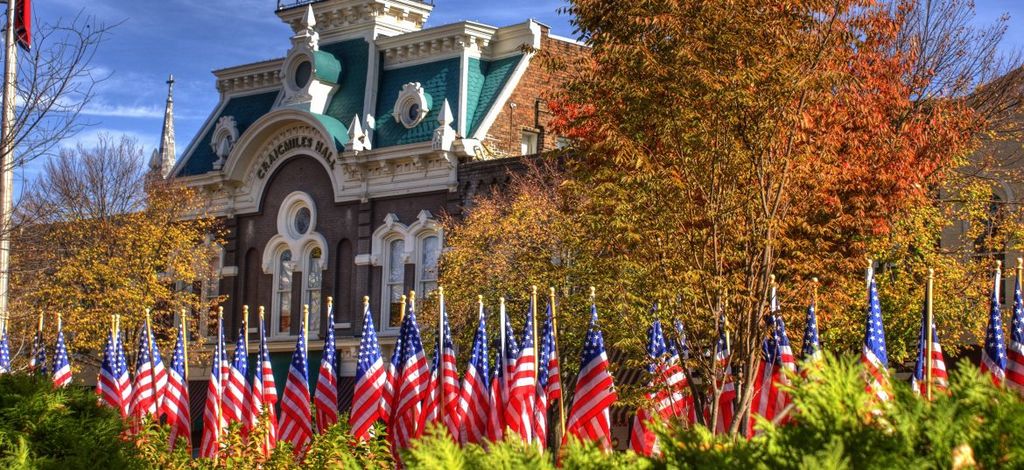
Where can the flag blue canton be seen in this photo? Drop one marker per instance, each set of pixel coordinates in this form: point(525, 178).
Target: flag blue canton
point(1017, 335)
point(120, 360)
point(329, 353)
point(547, 347)
point(478, 356)
point(593, 348)
point(995, 344)
point(109, 365)
point(300, 361)
point(412, 344)
point(143, 356)
point(811, 345)
point(527, 342)
point(448, 345)
point(39, 357)
point(722, 345)
point(684, 348)
point(921, 346)
point(369, 347)
point(178, 356)
point(656, 346)
point(874, 334)
point(5, 352)
point(511, 348)
point(60, 358)
point(240, 360)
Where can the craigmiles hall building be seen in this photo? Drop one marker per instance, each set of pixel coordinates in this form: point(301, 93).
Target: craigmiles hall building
point(330, 166)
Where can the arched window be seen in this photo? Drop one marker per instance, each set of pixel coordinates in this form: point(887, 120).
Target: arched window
point(283, 294)
point(313, 278)
point(394, 276)
point(426, 269)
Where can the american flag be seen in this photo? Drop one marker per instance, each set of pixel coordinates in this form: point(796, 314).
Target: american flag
point(668, 396)
point(874, 357)
point(993, 357)
point(61, 365)
point(589, 417)
point(159, 374)
point(295, 423)
point(5, 352)
point(448, 403)
point(392, 368)
point(474, 399)
point(918, 381)
point(175, 405)
point(682, 353)
point(1015, 354)
point(523, 389)
point(326, 396)
point(549, 381)
point(213, 415)
point(235, 403)
point(413, 382)
point(507, 375)
point(725, 384)
point(371, 378)
point(37, 363)
point(495, 405)
point(786, 363)
point(264, 394)
point(811, 347)
point(124, 380)
point(144, 391)
point(106, 383)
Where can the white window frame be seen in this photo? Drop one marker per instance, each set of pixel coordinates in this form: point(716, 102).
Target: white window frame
point(412, 235)
point(420, 266)
point(314, 314)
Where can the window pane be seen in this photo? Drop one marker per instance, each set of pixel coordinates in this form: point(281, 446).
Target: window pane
point(284, 293)
point(431, 252)
point(396, 270)
point(285, 281)
point(314, 279)
point(285, 307)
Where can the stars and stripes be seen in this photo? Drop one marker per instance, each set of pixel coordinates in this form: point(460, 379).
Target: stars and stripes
point(667, 397)
point(507, 375)
point(413, 380)
point(725, 381)
point(681, 349)
point(523, 388)
point(811, 346)
point(326, 396)
point(448, 391)
point(589, 418)
point(474, 397)
point(144, 392)
point(295, 423)
point(124, 380)
point(264, 394)
point(918, 381)
point(495, 404)
point(1015, 353)
point(5, 351)
point(874, 357)
point(235, 403)
point(37, 363)
point(371, 379)
point(175, 405)
point(61, 364)
point(549, 381)
point(993, 356)
point(391, 371)
point(106, 382)
point(213, 415)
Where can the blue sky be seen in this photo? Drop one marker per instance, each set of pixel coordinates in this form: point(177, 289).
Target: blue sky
point(190, 38)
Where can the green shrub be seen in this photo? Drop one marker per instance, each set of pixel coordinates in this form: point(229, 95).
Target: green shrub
point(45, 428)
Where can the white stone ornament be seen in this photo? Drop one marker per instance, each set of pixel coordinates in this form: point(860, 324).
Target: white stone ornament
point(411, 106)
point(357, 138)
point(444, 135)
point(225, 134)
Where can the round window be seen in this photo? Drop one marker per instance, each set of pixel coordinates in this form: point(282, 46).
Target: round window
point(303, 72)
point(413, 114)
point(302, 220)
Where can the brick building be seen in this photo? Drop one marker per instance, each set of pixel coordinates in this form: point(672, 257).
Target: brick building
point(330, 166)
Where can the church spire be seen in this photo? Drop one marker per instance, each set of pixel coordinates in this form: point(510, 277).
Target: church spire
point(163, 158)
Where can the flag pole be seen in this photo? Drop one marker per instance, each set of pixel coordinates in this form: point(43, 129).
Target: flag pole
point(554, 335)
point(440, 354)
point(401, 314)
point(929, 333)
point(218, 353)
point(245, 329)
point(7, 153)
point(501, 328)
point(184, 342)
point(536, 357)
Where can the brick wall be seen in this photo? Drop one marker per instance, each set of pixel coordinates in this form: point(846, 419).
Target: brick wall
point(530, 112)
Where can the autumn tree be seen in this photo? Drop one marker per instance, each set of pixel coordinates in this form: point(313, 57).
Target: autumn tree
point(101, 236)
point(720, 143)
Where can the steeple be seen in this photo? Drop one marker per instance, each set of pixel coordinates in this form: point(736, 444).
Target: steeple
point(163, 158)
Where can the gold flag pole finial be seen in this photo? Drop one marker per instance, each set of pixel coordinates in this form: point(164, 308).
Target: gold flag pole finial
point(366, 301)
point(593, 295)
point(401, 313)
point(412, 300)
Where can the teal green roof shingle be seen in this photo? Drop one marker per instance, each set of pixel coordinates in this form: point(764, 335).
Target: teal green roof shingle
point(246, 110)
point(354, 56)
point(440, 81)
point(485, 80)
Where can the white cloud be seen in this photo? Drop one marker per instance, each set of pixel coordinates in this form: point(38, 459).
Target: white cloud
point(123, 111)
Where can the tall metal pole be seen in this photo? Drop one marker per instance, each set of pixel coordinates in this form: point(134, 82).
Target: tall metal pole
point(928, 334)
point(7, 155)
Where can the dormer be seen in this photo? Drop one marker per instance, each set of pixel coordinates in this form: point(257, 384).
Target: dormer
point(310, 76)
